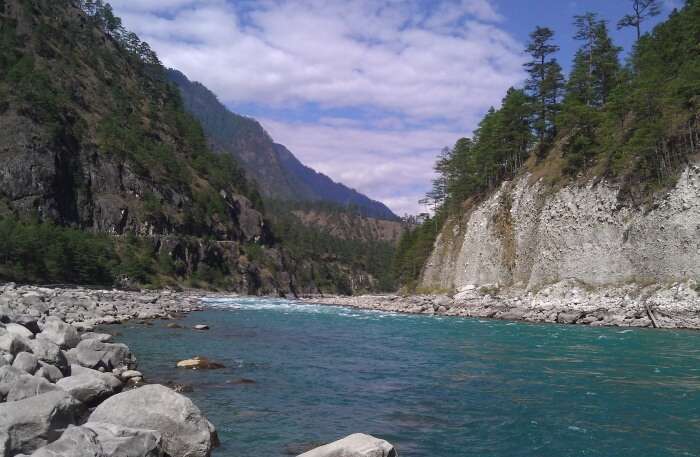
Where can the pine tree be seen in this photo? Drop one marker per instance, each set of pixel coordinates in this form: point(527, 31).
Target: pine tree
point(641, 11)
point(545, 82)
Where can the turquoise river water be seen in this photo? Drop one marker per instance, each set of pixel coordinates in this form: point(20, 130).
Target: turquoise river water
point(434, 387)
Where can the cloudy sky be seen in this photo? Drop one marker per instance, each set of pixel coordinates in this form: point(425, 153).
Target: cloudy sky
point(366, 91)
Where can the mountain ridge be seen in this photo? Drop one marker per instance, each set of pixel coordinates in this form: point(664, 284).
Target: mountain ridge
point(278, 172)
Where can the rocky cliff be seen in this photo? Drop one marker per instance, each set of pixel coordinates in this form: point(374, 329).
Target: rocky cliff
point(529, 234)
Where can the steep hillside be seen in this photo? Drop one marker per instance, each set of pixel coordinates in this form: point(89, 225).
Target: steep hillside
point(279, 174)
point(351, 226)
point(595, 179)
point(96, 140)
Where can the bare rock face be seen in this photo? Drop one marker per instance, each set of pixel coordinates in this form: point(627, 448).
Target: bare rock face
point(356, 445)
point(530, 235)
point(185, 431)
point(29, 424)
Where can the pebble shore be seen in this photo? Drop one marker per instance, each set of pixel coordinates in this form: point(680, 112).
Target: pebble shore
point(674, 305)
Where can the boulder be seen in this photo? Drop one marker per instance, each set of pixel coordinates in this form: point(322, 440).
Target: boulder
point(88, 389)
point(570, 317)
point(27, 386)
point(57, 331)
point(9, 342)
point(185, 431)
point(26, 362)
point(102, 337)
point(129, 374)
point(19, 330)
point(49, 352)
point(108, 378)
point(356, 445)
point(201, 327)
point(8, 376)
point(48, 372)
point(96, 354)
point(29, 424)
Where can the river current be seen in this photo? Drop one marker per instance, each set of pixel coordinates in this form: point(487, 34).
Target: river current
point(300, 375)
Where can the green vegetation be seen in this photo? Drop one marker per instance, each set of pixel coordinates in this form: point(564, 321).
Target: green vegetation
point(637, 123)
point(334, 259)
point(47, 253)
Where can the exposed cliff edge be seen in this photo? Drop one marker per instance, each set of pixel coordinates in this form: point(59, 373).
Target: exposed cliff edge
point(529, 235)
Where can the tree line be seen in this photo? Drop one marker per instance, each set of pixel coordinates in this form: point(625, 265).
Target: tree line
point(635, 121)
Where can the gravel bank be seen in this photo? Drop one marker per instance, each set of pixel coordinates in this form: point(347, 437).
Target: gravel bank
point(674, 305)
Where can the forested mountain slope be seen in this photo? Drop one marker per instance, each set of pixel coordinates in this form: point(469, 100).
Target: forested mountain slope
point(279, 174)
point(594, 177)
point(96, 141)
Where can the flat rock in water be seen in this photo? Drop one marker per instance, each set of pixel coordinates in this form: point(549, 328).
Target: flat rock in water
point(29, 424)
point(356, 445)
point(199, 363)
point(201, 327)
point(185, 431)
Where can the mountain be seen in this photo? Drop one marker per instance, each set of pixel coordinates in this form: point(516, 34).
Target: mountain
point(104, 176)
point(279, 174)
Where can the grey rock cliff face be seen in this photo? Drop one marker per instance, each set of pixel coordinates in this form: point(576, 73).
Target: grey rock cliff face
point(529, 235)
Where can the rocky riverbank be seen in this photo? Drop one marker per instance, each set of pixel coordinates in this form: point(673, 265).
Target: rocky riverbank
point(674, 305)
point(67, 390)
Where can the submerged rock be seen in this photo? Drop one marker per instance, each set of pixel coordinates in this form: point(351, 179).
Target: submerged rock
point(201, 327)
point(356, 445)
point(185, 431)
point(199, 363)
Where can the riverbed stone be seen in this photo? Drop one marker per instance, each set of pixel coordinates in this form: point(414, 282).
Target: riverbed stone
point(29, 386)
point(88, 389)
point(108, 378)
point(48, 372)
point(93, 353)
point(29, 424)
point(13, 344)
point(49, 352)
point(19, 330)
point(356, 445)
point(64, 335)
point(185, 431)
point(102, 337)
point(27, 362)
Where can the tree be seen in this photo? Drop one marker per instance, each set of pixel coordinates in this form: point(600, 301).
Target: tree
point(641, 11)
point(545, 82)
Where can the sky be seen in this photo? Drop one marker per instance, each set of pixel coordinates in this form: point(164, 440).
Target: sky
point(365, 91)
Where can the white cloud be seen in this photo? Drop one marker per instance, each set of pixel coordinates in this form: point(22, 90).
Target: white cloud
point(415, 67)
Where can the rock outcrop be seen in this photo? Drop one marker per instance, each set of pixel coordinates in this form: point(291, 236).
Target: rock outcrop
point(530, 235)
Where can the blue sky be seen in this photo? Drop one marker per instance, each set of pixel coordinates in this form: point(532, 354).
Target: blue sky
point(366, 91)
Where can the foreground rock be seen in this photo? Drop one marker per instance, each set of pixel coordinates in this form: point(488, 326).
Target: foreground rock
point(104, 440)
point(185, 431)
point(674, 305)
point(29, 424)
point(356, 445)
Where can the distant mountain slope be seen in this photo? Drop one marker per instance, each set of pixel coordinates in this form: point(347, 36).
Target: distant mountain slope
point(279, 174)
